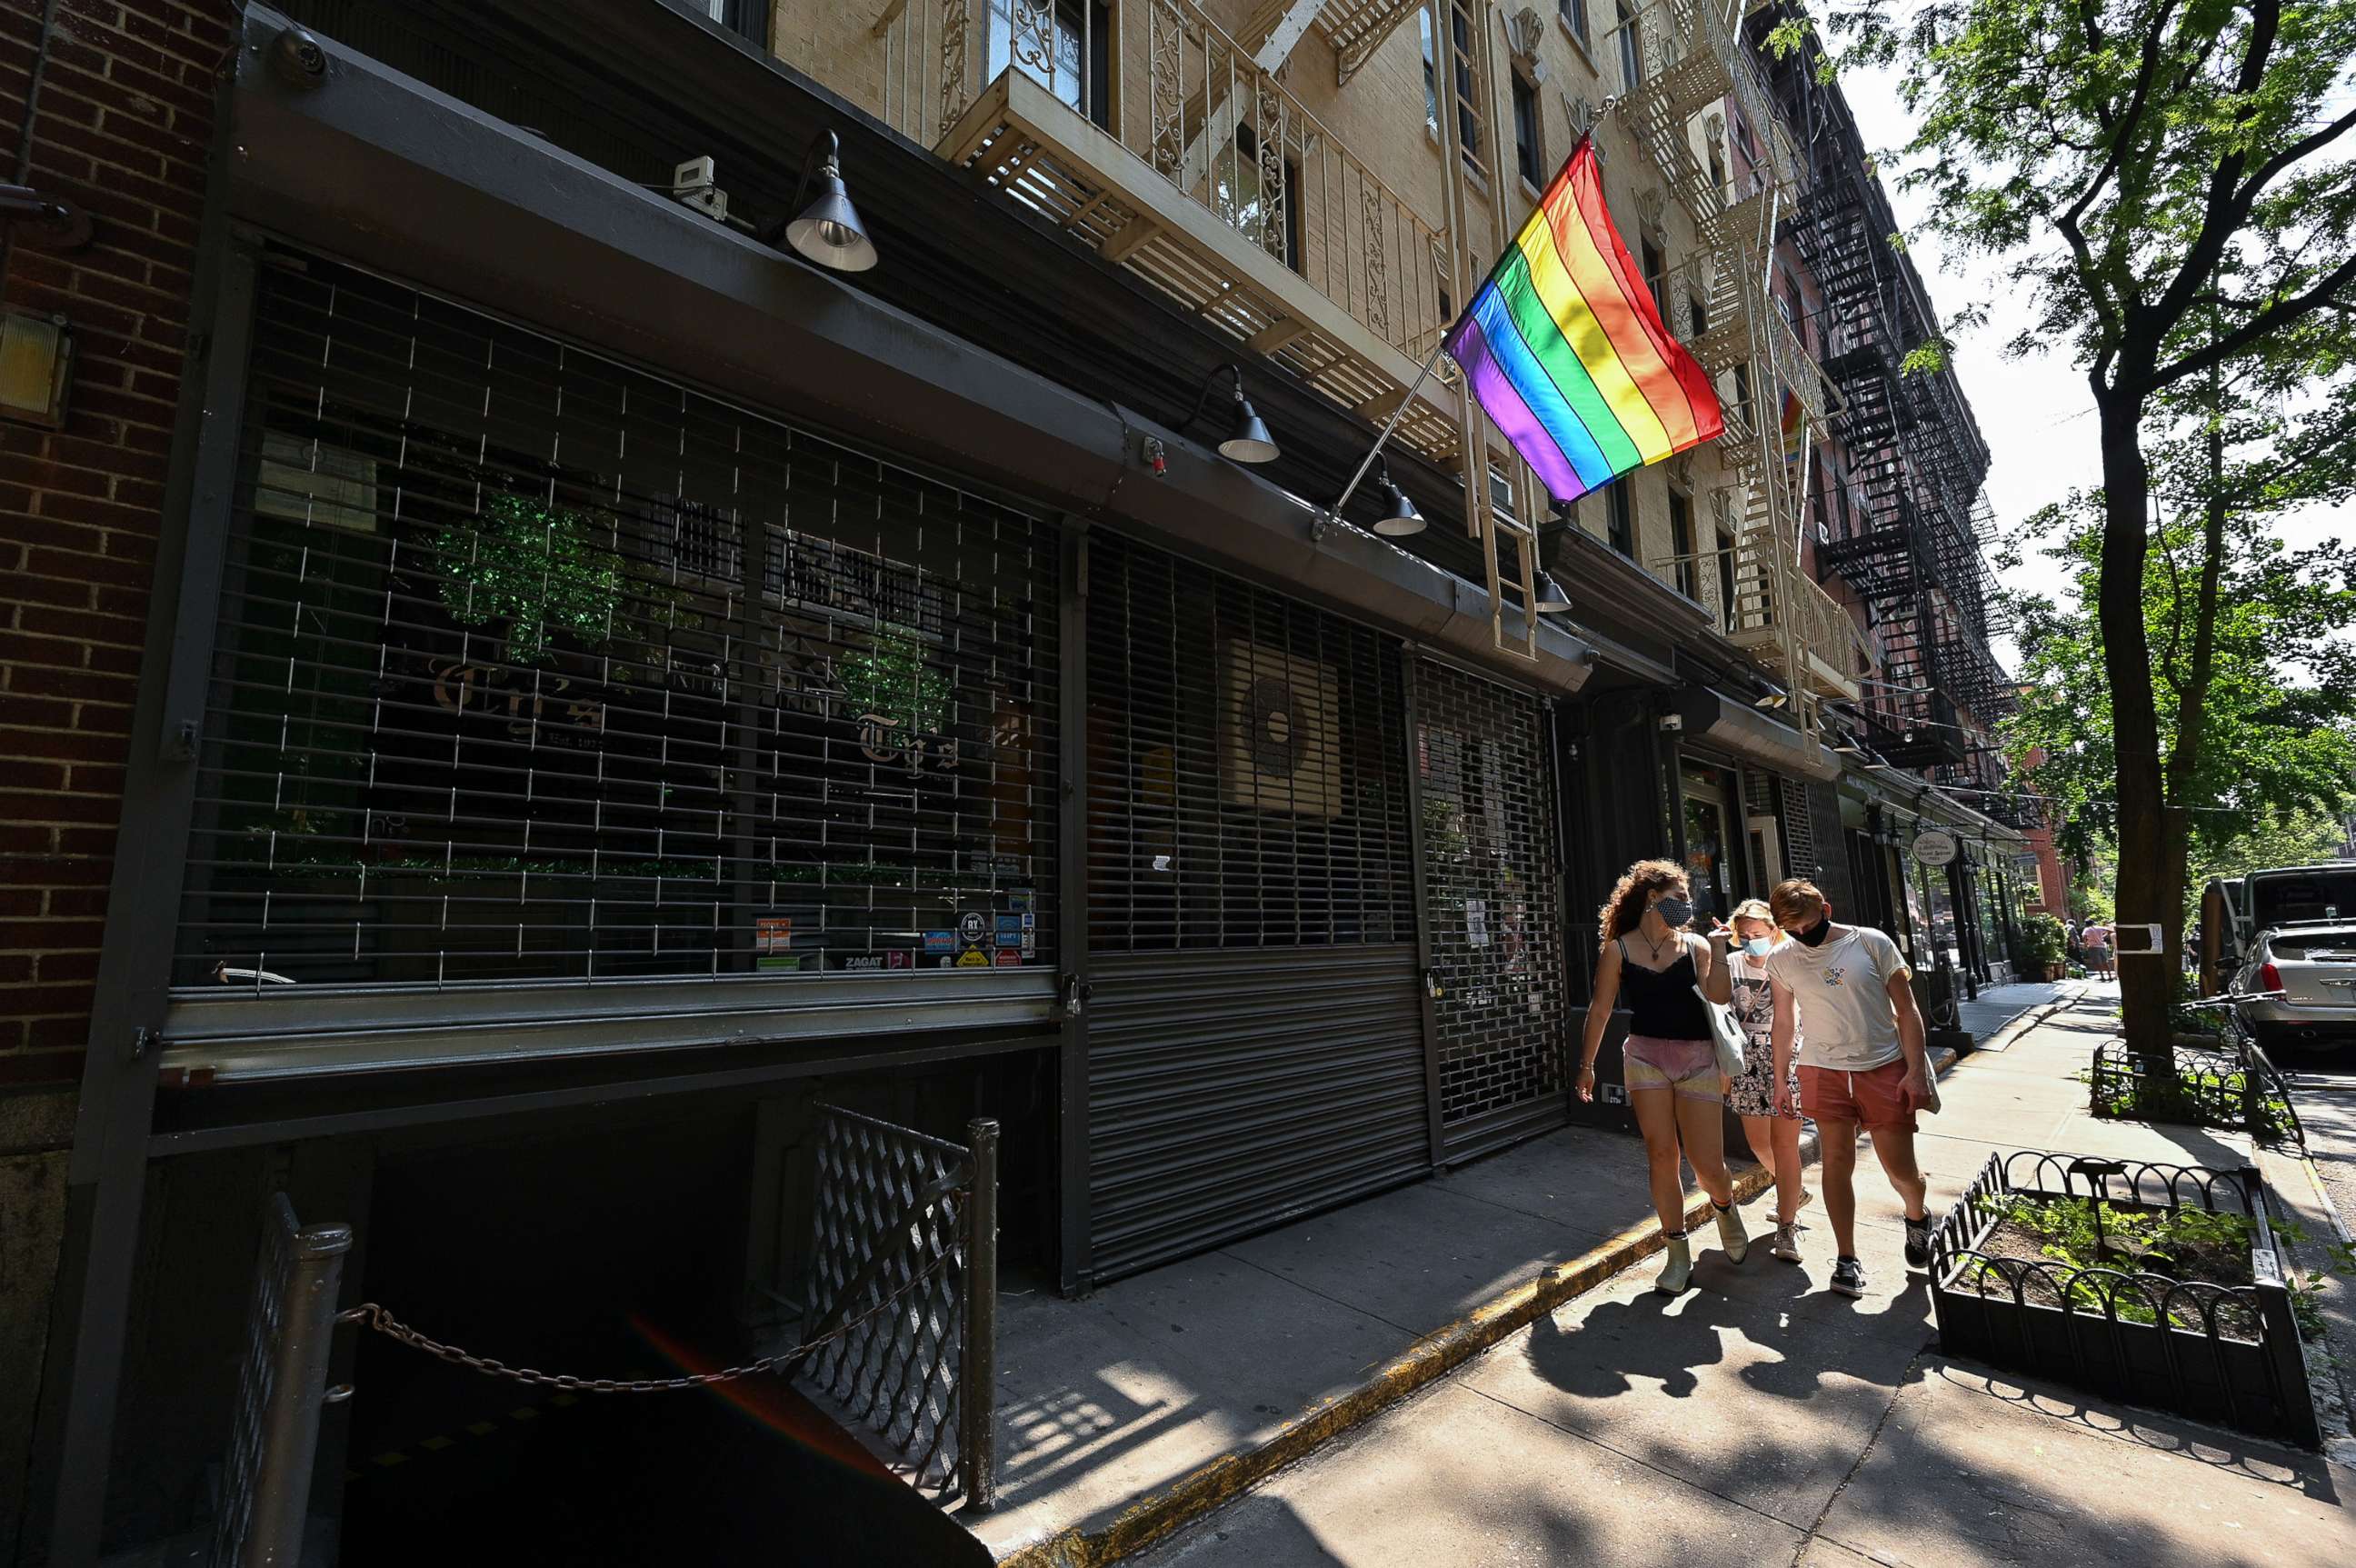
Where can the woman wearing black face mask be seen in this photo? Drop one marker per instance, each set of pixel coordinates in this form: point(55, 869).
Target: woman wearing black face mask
point(1671, 1066)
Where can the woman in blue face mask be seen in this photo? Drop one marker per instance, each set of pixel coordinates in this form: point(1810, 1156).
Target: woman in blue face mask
point(1661, 972)
point(1773, 1134)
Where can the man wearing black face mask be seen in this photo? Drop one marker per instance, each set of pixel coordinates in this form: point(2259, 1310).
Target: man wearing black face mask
point(1862, 1063)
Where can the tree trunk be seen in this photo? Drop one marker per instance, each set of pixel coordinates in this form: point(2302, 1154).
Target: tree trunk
point(2184, 759)
point(2145, 992)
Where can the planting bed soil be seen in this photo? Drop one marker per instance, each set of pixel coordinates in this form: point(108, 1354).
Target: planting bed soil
point(2159, 1249)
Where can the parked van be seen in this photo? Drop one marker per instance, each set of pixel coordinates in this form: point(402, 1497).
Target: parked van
point(2224, 932)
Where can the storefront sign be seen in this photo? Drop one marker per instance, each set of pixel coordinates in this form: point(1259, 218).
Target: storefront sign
point(941, 942)
point(1935, 847)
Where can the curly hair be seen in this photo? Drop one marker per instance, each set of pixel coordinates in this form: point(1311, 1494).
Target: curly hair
point(1626, 906)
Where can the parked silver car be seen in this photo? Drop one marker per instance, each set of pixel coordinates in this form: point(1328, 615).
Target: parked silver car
point(2313, 964)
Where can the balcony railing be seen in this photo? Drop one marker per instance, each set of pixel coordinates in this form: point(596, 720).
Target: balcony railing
point(1687, 57)
point(1204, 175)
point(1774, 608)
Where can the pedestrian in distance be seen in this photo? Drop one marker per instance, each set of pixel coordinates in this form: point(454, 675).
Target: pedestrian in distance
point(1845, 1008)
point(2097, 937)
point(1671, 1063)
point(1771, 1123)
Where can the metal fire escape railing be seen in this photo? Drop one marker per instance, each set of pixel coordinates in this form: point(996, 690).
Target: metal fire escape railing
point(1693, 61)
point(1202, 174)
point(1908, 544)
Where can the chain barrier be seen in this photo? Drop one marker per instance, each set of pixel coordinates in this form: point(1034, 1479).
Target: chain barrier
point(371, 1316)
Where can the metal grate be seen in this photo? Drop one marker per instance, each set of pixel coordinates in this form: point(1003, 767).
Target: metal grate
point(532, 665)
point(1245, 765)
point(1492, 885)
point(891, 1215)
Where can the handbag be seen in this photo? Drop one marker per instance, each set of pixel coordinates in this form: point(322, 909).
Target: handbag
point(1724, 1033)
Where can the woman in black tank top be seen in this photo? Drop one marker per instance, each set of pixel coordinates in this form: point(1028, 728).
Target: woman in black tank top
point(1662, 1003)
point(1650, 961)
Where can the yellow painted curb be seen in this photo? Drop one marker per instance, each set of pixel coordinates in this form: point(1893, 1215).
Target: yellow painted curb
point(1158, 1514)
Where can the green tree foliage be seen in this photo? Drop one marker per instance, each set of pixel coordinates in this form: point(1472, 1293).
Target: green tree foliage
point(544, 575)
point(2172, 183)
point(2279, 718)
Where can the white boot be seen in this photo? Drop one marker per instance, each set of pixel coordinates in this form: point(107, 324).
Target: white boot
point(1678, 1274)
point(1730, 1233)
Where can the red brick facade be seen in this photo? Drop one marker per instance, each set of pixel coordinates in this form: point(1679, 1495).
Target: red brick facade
point(124, 120)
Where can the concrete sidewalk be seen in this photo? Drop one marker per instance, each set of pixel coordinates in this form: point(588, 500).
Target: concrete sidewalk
point(1761, 1419)
point(1148, 1402)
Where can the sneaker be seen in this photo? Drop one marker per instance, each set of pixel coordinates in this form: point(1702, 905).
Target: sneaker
point(1918, 1242)
point(1848, 1277)
point(1678, 1274)
point(1787, 1242)
point(1731, 1235)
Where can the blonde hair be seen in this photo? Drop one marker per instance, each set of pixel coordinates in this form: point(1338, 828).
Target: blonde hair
point(1626, 906)
point(1757, 909)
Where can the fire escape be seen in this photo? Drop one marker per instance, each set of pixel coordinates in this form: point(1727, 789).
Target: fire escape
point(1694, 62)
point(1909, 545)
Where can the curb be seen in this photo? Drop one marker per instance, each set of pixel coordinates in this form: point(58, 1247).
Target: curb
point(1159, 1514)
point(2021, 1024)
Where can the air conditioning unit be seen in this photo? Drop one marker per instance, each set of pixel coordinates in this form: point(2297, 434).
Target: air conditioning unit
point(1281, 742)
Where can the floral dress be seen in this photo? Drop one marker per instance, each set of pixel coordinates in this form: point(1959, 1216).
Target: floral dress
point(1752, 1093)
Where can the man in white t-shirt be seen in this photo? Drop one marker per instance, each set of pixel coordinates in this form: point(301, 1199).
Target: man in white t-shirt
point(1847, 990)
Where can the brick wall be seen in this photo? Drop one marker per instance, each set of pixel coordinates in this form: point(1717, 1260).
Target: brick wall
point(125, 120)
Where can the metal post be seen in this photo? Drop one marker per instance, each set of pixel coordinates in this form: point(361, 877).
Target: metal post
point(298, 1393)
point(1072, 1248)
point(978, 1357)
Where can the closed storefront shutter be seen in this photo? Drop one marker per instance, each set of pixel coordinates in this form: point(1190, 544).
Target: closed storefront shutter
point(1492, 877)
point(1256, 1048)
point(536, 670)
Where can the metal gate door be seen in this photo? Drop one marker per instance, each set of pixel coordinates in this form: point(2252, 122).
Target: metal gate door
point(1255, 1046)
point(1493, 906)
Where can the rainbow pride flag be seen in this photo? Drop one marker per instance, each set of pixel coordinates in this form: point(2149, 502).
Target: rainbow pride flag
point(1566, 348)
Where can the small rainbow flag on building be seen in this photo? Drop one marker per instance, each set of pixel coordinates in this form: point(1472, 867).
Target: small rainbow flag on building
point(1565, 348)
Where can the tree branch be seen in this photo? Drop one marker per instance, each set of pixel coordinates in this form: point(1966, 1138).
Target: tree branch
point(2314, 142)
point(2280, 314)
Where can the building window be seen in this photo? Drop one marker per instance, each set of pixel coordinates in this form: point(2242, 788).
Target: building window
point(1061, 47)
point(1431, 76)
point(1465, 51)
point(746, 18)
point(1726, 614)
point(1631, 51)
point(1574, 17)
point(1656, 268)
point(539, 667)
point(1621, 519)
point(1525, 132)
point(1259, 197)
point(1743, 391)
point(1681, 543)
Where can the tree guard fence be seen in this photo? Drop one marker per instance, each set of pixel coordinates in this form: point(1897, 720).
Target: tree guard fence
point(903, 1217)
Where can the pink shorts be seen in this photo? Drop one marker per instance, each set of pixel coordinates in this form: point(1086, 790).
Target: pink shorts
point(1874, 1098)
point(1687, 1069)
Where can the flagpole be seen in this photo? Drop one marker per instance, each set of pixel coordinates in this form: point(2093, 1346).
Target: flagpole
point(1391, 423)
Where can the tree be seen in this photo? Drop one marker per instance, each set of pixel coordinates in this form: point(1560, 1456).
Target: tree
point(2253, 663)
point(2173, 177)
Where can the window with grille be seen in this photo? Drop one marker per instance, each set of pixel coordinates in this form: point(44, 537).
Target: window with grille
point(1247, 766)
point(532, 665)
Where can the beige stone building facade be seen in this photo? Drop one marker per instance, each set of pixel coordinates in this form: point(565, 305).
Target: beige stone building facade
point(1281, 170)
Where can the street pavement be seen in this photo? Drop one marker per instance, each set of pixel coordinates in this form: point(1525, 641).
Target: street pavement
point(1760, 1419)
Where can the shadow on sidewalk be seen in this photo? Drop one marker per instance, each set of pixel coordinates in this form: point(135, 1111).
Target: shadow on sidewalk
point(1616, 1342)
point(2211, 1445)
